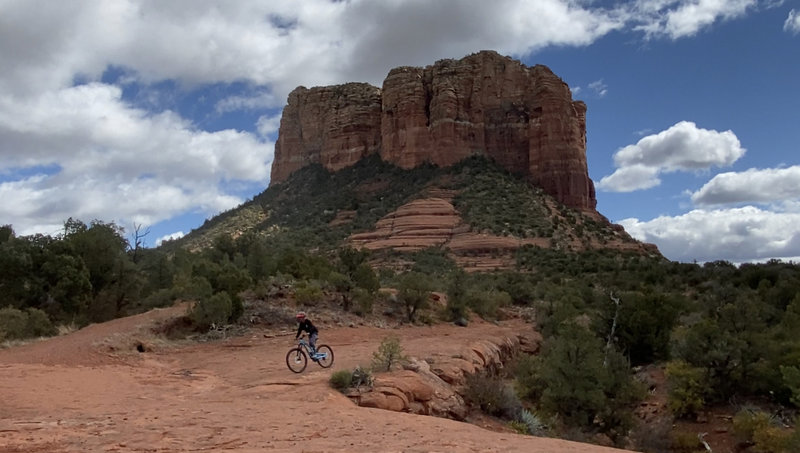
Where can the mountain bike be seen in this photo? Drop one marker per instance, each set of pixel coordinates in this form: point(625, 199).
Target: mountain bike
point(297, 357)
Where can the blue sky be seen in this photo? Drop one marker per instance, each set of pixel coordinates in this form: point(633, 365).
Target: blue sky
point(163, 114)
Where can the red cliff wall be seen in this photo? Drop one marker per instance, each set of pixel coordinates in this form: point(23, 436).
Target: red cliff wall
point(522, 117)
point(335, 126)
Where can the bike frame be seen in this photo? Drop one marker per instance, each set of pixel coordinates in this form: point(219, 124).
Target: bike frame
point(307, 347)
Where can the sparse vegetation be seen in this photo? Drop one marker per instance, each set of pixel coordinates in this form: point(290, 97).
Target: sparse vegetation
point(492, 395)
point(343, 380)
point(389, 354)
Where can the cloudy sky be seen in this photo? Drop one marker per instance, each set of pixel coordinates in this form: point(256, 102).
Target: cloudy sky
point(164, 113)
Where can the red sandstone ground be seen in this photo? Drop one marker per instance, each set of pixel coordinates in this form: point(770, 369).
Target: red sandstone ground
point(90, 391)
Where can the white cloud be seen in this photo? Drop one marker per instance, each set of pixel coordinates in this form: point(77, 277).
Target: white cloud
point(751, 186)
point(682, 147)
point(683, 18)
point(277, 44)
point(739, 235)
point(268, 125)
point(630, 178)
point(792, 24)
point(169, 237)
point(599, 87)
point(252, 101)
point(115, 162)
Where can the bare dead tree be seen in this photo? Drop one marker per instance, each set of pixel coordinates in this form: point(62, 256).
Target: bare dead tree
point(613, 329)
point(138, 237)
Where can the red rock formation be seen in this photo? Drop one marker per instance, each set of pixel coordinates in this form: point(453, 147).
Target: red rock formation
point(335, 126)
point(522, 117)
point(557, 142)
point(434, 222)
point(431, 386)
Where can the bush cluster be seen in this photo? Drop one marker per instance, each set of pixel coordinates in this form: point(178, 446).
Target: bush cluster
point(389, 353)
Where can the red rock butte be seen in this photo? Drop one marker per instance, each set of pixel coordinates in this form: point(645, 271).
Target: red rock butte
point(522, 117)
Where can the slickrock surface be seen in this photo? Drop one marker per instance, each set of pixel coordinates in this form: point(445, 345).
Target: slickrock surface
point(522, 117)
point(72, 394)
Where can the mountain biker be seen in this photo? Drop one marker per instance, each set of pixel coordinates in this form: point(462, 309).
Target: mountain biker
point(304, 324)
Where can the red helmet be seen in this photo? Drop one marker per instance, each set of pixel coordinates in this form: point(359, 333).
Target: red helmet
point(300, 316)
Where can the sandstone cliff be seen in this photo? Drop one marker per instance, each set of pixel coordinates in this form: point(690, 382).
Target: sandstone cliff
point(334, 126)
point(522, 117)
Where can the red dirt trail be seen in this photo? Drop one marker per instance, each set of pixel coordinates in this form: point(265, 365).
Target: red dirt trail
point(90, 391)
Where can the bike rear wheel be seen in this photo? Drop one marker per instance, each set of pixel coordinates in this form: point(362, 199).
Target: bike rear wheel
point(296, 360)
point(325, 359)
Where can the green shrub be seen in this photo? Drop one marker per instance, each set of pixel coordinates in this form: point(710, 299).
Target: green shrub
point(791, 379)
point(682, 441)
point(486, 303)
point(38, 324)
point(492, 396)
point(389, 353)
point(364, 277)
point(12, 323)
point(16, 324)
point(759, 429)
point(345, 379)
point(413, 293)
point(687, 389)
point(341, 380)
point(526, 379)
point(308, 293)
point(363, 301)
point(214, 310)
point(160, 298)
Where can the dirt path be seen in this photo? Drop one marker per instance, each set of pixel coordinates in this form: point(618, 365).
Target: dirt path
point(70, 394)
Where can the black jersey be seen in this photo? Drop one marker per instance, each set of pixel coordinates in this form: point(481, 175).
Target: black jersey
point(307, 326)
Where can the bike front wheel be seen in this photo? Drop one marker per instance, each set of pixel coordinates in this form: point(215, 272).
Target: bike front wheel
point(296, 360)
point(325, 356)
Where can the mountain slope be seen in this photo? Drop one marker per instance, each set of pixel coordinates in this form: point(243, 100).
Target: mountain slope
point(490, 212)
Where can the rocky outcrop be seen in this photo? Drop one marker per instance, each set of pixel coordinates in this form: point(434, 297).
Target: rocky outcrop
point(335, 126)
point(417, 225)
point(522, 117)
point(431, 386)
point(434, 222)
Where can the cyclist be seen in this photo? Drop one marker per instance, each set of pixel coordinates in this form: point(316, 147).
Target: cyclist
point(303, 323)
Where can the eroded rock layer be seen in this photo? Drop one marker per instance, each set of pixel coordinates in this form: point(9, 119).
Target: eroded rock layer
point(522, 117)
point(335, 126)
point(432, 386)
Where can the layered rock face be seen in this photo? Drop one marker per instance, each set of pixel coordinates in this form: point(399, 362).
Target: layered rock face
point(335, 126)
point(522, 117)
point(431, 386)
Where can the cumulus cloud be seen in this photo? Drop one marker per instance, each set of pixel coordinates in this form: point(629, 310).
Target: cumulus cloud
point(751, 186)
point(169, 237)
point(682, 18)
point(268, 125)
point(599, 88)
point(114, 162)
point(278, 44)
point(682, 147)
point(744, 234)
point(792, 24)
